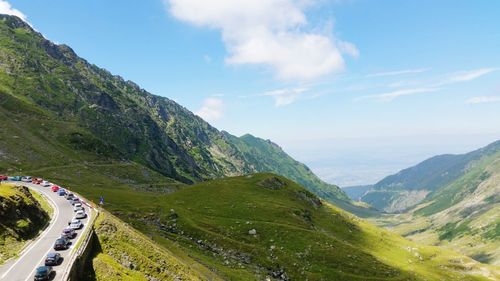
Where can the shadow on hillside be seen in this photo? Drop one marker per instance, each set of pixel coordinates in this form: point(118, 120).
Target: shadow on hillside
point(88, 272)
point(482, 257)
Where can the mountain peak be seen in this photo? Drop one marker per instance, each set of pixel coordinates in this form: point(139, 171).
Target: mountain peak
point(14, 22)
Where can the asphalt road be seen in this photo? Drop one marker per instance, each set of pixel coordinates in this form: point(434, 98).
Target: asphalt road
point(23, 268)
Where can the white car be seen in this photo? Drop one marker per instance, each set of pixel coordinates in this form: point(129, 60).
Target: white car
point(80, 214)
point(46, 183)
point(79, 208)
point(75, 224)
point(26, 179)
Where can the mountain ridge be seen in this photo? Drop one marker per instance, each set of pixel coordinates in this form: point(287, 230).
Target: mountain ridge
point(410, 186)
point(119, 120)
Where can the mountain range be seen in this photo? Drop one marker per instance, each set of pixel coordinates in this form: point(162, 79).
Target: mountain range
point(458, 206)
point(184, 200)
point(114, 120)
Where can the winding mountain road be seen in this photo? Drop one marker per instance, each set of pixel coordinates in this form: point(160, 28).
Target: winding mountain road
point(34, 254)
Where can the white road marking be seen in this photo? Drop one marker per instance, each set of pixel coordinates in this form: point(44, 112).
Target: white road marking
point(44, 233)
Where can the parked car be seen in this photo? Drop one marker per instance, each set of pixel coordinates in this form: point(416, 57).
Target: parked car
point(75, 224)
point(3, 178)
point(74, 201)
point(45, 184)
point(37, 180)
point(15, 178)
point(61, 192)
point(55, 188)
point(26, 179)
point(69, 196)
point(53, 259)
point(80, 214)
point(44, 273)
point(61, 244)
point(69, 233)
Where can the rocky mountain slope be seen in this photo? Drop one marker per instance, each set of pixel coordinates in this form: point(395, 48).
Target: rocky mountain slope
point(22, 216)
point(411, 186)
point(463, 215)
point(84, 112)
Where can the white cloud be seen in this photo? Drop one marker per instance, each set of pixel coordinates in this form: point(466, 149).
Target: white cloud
point(483, 99)
point(398, 72)
point(273, 33)
point(6, 8)
point(284, 97)
point(396, 94)
point(417, 87)
point(465, 76)
point(211, 110)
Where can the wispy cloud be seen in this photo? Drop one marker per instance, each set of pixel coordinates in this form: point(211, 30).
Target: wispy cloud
point(6, 8)
point(483, 99)
point(398, 72)
point(389, 96)
point(271, 33)
point(465, 76)
point(417, 87)
point(286, 96)
point(211, 110)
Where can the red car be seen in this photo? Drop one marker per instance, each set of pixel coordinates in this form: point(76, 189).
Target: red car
point(37, 180)
point(55, 188)
point(3, 178)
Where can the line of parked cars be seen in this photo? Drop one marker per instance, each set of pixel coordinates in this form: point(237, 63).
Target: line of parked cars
point(47, 272)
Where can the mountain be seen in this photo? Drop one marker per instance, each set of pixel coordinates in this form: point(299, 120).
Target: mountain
point(154, 162)
point(263, 226)
point(464, 214)
point(411, 186)
point(356, 192)
point(74, 111)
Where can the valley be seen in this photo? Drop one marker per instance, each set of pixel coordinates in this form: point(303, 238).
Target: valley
point(182, 200)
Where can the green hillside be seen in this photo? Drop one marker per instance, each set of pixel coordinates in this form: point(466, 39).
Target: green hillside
point(463, 215)
point(262, 225)
point(411, 186)
point(76, 111)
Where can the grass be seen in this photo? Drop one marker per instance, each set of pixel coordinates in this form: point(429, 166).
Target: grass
point(209, 222)
point(122, 253)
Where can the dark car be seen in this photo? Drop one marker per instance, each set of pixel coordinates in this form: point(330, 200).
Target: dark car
point(53, 259)
point(61, 244)
point(68, 233)
point(61, 192)
point(44, 273)
point(74, 200)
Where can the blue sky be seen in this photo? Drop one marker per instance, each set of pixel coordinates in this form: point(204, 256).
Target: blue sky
point(325, 79)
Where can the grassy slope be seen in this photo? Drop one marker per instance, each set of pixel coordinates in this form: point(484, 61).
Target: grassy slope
point(295, 235)
point(464, 215)
point(122, 253)
point(17, 229)
point(272, 158)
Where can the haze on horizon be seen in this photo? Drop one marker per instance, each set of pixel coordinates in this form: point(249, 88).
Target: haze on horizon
point(337, 84)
